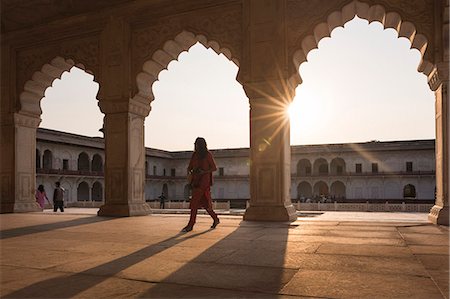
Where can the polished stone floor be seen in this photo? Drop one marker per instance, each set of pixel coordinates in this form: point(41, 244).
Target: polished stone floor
point(321, 255)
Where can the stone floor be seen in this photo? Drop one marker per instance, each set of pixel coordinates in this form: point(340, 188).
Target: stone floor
point(321, 255)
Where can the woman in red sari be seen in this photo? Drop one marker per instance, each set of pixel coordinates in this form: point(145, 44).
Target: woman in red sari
point(201, 167)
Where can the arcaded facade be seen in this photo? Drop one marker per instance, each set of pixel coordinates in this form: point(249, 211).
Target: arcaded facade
point(353, 172)
point(125, 44)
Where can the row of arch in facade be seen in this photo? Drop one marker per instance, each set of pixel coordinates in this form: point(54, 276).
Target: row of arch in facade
point(337, 190)
point(84, 163)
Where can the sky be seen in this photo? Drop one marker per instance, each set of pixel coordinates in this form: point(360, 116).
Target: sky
point(361, 84)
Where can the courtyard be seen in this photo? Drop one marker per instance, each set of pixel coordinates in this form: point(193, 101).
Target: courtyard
point(322, 255)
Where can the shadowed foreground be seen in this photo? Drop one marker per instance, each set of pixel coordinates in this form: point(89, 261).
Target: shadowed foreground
point(85, 256)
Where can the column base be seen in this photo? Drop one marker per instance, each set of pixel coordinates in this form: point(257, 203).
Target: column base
point(24, 207)
point(125, 210)
point(439, 215)
point(271, 213)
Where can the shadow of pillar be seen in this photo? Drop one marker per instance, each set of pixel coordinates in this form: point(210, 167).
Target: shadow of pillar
point(247, 261)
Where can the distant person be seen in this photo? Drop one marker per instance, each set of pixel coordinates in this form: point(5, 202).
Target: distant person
point(41, 196)
point(58, 197)
point(162, 200)
point(200, 169)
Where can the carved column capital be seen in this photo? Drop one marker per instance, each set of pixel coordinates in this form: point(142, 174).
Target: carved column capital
point(134, 106)
point(24, 120)
point(440, 75)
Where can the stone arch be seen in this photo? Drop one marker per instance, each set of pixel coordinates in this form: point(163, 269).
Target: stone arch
point(304, 167)
point(47, 159)
point(97, 163)
point(34, 89)
point(371, 13)
point(321, 189)
point(83, 192)
point(170, 51)
point(337, 166)
point(304, 189)
point(320, 166)
point(338, 189)
point(97, 191)
point(83, 162)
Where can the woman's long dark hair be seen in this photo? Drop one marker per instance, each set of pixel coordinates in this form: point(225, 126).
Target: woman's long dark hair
point(200, 147)
point(41, 188)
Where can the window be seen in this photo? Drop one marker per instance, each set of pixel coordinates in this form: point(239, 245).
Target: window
point(172, 172)
point(409, 191)
point(358, 167)
point(164, 172)
point(154, 170)
point(339, 169)
point(374, 167)
point(221, 171)
point(409, 166)
point(65, 164)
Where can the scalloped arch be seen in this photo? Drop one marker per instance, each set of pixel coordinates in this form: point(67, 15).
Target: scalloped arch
point(169, 52)
point(372, 13)
point(34, 89)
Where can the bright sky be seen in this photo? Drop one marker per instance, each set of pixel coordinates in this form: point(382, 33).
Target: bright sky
point(361, 84)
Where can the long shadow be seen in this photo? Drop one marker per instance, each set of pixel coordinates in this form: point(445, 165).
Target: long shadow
point(71, 285)
point(250, 262)
point(28, 230)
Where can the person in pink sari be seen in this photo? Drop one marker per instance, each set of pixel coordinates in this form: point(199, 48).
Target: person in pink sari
point(41, 196)
point(201, 167)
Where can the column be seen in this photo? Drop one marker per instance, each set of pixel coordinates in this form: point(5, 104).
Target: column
point(264, 76)
point(439, 214)
point(124, 126)
point(19, 165)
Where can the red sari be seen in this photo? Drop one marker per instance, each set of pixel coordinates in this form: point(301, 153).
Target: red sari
point(201, 183)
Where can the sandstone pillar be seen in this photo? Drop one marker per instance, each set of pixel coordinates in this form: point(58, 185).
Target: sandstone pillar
point(17, 145)
point(124, 126)
point(439, 83)
point(440, 212)
point(19, 164)
point(264, 76)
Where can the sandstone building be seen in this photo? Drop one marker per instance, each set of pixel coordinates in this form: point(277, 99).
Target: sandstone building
point(353, 172)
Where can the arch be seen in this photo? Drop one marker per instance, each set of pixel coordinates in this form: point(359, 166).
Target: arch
point(338, 189)
point(162, 57)
point(83, 162)
point(304, 189)
point(303, 167)
point(97, 191)
point(34, 89)
point(320, 166)
point(321, 189)
point(409, 191)
point(337, 166)
point(48, 160)
point(83, 192)
point(97, 163)
point(38, 159)
point(371, 13)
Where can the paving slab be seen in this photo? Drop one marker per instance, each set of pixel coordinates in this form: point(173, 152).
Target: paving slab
point(365, 250)
point(80, 255)
point(429, 249)
point(337, 284)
